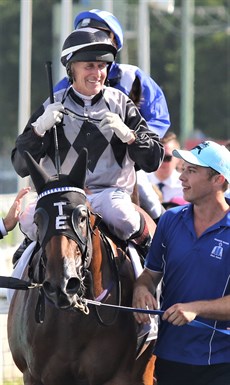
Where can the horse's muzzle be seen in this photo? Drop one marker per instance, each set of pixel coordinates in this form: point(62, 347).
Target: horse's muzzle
point(65, 296)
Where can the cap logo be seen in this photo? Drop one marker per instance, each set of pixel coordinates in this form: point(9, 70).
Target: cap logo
point(69, 56)
point(201, 147)
point(85, 22)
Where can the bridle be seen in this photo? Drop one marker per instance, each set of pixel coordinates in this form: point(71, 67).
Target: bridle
point(84, 242)
point(73, 222)
point(70, 228)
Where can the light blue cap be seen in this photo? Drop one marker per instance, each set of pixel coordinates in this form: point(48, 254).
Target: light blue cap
point(208, 154)
point(101, 16)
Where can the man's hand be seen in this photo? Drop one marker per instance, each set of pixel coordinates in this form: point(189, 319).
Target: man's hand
point(180, 313)
point(143, 299)
point(12, 217)
point(53, 114)
point(113, 121)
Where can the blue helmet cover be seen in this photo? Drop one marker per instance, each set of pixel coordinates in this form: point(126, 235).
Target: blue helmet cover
point(106, 17)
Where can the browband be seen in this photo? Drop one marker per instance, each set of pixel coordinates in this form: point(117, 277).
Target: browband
point(60, 189)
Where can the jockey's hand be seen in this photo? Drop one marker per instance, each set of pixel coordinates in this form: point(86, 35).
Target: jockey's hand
point(113, 122)
point(53, 114)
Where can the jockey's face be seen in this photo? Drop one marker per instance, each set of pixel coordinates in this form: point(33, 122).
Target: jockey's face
point(88, 77)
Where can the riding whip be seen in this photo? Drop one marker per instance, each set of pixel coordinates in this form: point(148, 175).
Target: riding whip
point(50, 81)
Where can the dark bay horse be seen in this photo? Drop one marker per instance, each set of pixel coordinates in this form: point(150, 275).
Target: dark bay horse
point(56, 337)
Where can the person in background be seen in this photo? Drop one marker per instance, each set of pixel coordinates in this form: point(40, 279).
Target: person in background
point(149, 199)
point(103, 120)
point(174, 202)
point(166, 177)
point(141, 88)
point(227, 194)
point(190, 252)
point(12, 217)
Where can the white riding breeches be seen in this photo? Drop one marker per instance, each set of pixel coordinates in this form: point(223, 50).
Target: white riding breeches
point(117, 210)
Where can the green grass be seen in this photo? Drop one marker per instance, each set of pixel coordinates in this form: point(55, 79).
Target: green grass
point(15, 382)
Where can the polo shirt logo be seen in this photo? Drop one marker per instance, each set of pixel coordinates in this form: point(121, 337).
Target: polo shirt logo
point(217, 251)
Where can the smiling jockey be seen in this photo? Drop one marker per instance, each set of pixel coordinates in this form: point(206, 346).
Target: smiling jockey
point(140, 87)
point(106, 122)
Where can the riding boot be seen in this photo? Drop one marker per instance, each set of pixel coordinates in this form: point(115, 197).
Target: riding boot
point(22, 247)
point(142, 239)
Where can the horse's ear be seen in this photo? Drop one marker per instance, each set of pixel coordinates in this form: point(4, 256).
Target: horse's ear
point(78, 172)
point(38, 175)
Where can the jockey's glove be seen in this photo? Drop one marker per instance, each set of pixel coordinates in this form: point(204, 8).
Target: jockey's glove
point(112, 121)
point(52, 115)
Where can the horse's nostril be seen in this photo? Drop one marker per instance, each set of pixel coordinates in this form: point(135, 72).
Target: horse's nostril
point(48, 288)
point(73, 286)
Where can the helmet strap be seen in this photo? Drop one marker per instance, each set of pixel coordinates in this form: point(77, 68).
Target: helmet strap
point(69, 72)
point(108, 69)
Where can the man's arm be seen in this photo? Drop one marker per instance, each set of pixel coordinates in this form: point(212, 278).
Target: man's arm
point(62, 84)
point(144, 147)
point(182, 313)
point(153, 105)
point(3, 231)
point(36, 137)
point(144, 291)
point(12, 217)
point(146, 150)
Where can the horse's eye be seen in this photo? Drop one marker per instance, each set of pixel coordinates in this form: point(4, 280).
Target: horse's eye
point(80, 214)
point(83, 219)
point(79, 220)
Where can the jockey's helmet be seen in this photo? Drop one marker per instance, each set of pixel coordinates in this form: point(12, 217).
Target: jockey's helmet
point(87, 45)
point(103, 20)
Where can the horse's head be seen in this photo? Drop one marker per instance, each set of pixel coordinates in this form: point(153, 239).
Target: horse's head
point(64, 232)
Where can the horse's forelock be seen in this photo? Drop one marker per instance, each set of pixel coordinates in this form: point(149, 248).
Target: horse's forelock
point(55, 182)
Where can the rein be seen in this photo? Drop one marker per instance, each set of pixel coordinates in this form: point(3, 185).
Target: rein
point(111, 256)
point(194, 323)
point(19, 284)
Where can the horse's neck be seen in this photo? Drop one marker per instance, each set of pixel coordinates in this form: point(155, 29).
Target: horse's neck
point(35, 266)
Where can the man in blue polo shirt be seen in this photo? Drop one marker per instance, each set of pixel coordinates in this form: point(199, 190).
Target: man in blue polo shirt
point(190, 251)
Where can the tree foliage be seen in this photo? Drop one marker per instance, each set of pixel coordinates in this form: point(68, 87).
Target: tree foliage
point(9, 48)
point(9, 64)
point(212, 64)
